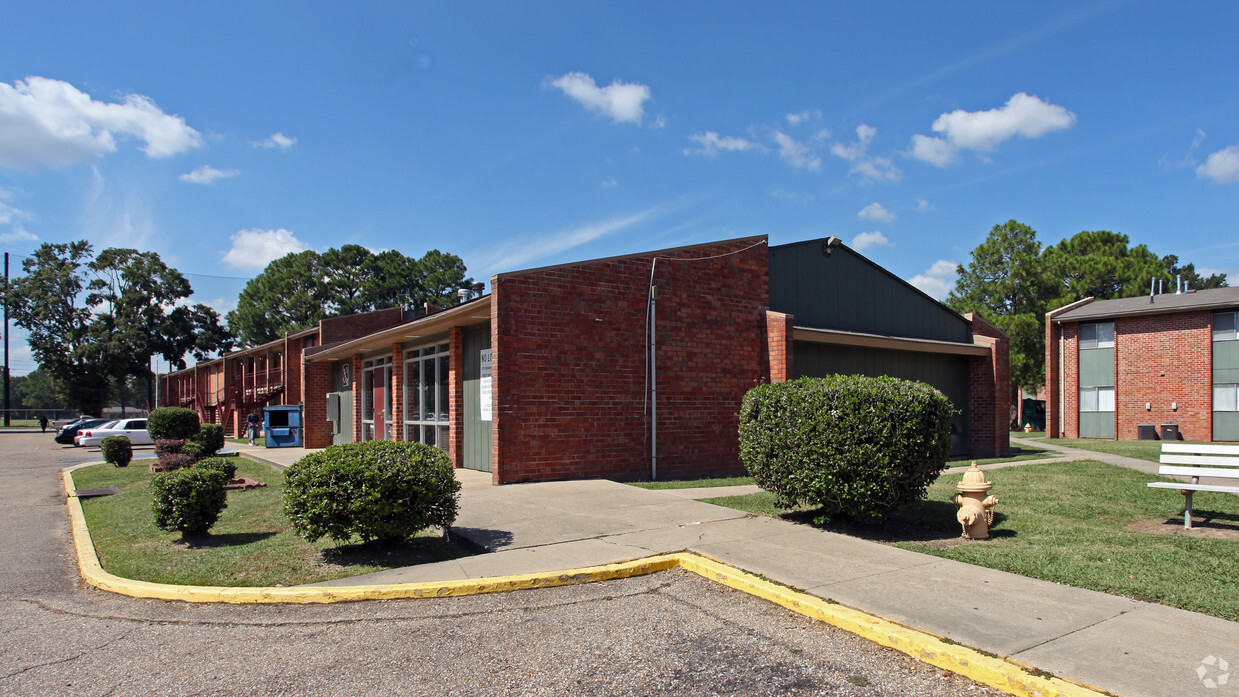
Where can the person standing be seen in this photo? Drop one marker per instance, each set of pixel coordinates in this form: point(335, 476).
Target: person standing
point(252, 424)
point(43, 422)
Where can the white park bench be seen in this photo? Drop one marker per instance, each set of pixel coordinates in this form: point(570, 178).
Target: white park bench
point(1218, 462)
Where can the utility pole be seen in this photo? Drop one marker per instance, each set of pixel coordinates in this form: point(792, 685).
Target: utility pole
point(7, 403)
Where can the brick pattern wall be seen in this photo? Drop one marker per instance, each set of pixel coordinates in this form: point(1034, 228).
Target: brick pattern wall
point(316, 430)
point(1160, 360)
point(779, 354)
point(456, 395)
point(356, 386)
point(293, 349)
point(569, 363)
point(1053, 369)
point(397, 391)
point(989, 392)
point(356, 326)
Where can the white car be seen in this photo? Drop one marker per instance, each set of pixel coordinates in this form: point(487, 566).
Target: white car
point(133, 429)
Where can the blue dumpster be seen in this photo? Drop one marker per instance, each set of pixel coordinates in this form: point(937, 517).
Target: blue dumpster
point(282, 425)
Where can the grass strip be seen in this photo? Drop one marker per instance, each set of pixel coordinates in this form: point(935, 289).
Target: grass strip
point(1084, 524)
point(251, 545)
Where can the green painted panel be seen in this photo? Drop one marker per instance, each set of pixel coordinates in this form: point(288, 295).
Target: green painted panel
point(345, 432)
point(1226, 425)
point(1097, 367)
point(1097, 424)
point(1225, 361)
point(947, 373)
point(846, 292)
point(477, 432)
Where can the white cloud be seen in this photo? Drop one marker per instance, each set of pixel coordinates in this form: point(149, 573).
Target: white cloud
point(710, 143)
point(255, 248)
point(869, 240)
point(802, 116)
point(50, 122)
point(17, 234)
point(610, 182)
point(935, 151)
point(870, 167)
point(937, 280)
point(1023, 115)
point(875, 211)
point(1221, 166)
point(206, 174)
point(795, 153)
point(517, 253)
point(922, 205)
point(622, 101)
point(275, 140)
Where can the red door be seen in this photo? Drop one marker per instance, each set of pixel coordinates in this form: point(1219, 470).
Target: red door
point(378, 397)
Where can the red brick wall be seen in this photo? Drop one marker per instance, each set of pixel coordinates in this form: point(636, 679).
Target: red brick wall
point(779, 353)
point(397, 391)
point(989, 392)
point(569, 364)
point(456, 395)
point(356, 387)
point(1053, 369)
point(317, 380)
point(1160, 359)
point(356, 326)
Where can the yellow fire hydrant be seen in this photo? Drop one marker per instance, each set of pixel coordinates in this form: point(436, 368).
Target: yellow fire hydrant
point(976, 510)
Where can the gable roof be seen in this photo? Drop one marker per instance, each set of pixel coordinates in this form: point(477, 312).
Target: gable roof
point(1212, 299)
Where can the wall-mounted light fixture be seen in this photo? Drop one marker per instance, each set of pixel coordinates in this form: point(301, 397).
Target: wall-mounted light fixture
point(1174, 406)
point(1148, 406)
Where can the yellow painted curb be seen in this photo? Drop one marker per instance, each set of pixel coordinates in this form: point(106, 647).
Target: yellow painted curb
point(988, 669)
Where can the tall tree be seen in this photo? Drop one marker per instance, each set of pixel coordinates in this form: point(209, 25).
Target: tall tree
point(1005, 284)
point(298, 290)
point(1099, 264)
point(1190, 277)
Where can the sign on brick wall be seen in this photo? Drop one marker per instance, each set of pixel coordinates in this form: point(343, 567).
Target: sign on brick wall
point(484, 392)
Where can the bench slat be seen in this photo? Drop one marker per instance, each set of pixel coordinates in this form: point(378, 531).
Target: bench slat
point(1199, 460)
point(1198, 472)
point(1194, 487)
point(1200, 448)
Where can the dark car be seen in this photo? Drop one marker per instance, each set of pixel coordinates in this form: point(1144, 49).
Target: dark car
point(65, 435)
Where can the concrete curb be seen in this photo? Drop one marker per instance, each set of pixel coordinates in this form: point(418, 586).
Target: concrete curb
point(989, 669)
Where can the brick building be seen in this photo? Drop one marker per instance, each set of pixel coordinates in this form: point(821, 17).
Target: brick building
point(1166, 362)
point(633, 367)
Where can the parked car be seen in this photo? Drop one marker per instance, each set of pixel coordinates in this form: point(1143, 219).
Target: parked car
point(133, 429)
point(67, 433)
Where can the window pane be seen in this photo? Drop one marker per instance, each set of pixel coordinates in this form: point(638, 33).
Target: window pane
point(367, 397)
point(1088, 399)
point(428, 390)
point(1105, 336)
point(412, 390)
point(1105, 399)
point(1088, 336)
point(428, 435)
point(1224, 328)
point(443, 437)
point(1226, 398)
point(443, 375)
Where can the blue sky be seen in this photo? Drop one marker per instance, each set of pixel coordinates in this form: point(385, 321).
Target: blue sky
point(525, 134)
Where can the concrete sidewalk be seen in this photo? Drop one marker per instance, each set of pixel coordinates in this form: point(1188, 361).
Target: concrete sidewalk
point(1123, 646)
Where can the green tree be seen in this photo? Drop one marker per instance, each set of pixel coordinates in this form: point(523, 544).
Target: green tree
point(1006, 284)
point(1099, 264)
point(34, 390)
point(298, 290)
point(1191, 278)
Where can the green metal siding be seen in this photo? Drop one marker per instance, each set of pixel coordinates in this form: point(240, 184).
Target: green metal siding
point(477, 432)
point(846, 292)
point(1097, 367)
point(1226, 425)
point(1097, 424)
point(1225, 361)
point(948, 373)
point(345, 434)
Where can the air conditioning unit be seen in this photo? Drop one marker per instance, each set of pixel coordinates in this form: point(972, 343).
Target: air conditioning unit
point(1170, 432)
point(1146, 432)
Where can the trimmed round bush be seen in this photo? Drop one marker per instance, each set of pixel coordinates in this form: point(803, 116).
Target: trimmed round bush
point(174, 461)
point(168, 447)
point(189, 500)
point(211, 438)
point(116, 450)
point(193, 449)
point(382, 491)
point(221, 464)
point(857, 447)
point(172, 423)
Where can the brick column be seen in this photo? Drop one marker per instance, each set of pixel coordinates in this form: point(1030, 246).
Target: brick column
point(357, 388)
point(779, 350)
point(315, 429)
point(397, 391)
point(989, 391)
point(1053, 371)
point(456, 395)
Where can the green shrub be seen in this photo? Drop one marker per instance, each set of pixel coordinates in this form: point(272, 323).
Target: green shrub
point(188, 500)
point(192, 448)
point(855, 446)
point(222, 464)
point(174, 461)
point(172, 423)
point(211, 438)
point(377, 490)
point(168, 447)
point(116, 450)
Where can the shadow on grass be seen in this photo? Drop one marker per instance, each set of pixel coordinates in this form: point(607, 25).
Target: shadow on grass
point(230, 539)
point(924, 521)
point(419, 550)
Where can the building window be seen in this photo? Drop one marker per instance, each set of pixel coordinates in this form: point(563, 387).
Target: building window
point(1097, 335)
point(1225, 397)
point(376, 399)
point(1226, 326)
point(1097, 399)
point(426, 405)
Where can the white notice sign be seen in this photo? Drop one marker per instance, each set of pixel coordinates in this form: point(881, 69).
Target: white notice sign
point(484, 392)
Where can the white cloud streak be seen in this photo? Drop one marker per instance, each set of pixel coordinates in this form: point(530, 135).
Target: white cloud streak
point(1023, 115)
point(1221, 166)
point(206, 174)
point(255, 248)
point(795, 153)
point(869, 240)
point(623, 102)
point(711, 144)
point(938, 280)
point(868, 166)
point(517, 254)
point(276, 140)
point(52, 123)
point(875, 211)
point(802, 116)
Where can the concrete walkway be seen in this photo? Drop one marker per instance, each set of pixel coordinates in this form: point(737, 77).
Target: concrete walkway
point(1124, 646)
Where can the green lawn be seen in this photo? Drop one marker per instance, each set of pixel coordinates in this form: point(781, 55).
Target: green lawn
point(1140, 449)
point(1075, 523)
point(251, 545)
point(258, 442)
point(694, 483)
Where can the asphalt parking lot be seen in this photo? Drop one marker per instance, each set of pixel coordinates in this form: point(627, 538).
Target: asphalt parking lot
point(670, 633)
